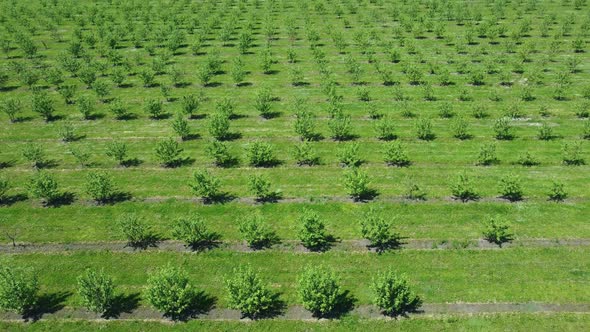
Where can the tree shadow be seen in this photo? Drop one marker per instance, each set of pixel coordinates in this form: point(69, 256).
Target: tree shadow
point(65, 198)
point(50, 163)
point(7, 164)
point(127, 117)
point(272, 197)
point(366, 196)
point(23, 119)
point(325, 246)
point(271, 115)
point(344, 138)
point(231, 137)
point(48, 303)
point(191, 137)
point(277, 307)
point(344, 304)
point(131, 162)
point(162, 116)
point(213, 242)
point(116, 197)
point(149, 241)
point(123, 303)
point(220, 198)
point(268, 163)
point(197, 116)
point(96, 116)
point(12, 199)
point(229, 163)
point(391, 244)
point(270, 239)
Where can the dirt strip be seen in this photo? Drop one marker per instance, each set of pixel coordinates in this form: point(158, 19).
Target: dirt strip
point(299, 313)
point(290, 246)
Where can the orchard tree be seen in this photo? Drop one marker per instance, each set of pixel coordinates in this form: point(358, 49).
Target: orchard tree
point(556, 193)
point(305, 154)
point(259, 186)
point(463, 189)
point(487, 155)
point(34, 154)
point(319, 290)
point(190, 104)
point(118, 151)
point(312, 232)
point(99, 186)
point(257, 233)
point(97, 290)
point(86, 106)
point(119, 109)
point(510, 188)
point(136, 231)
point(12, 107)
point(393, 294)
point(206, 186)
point(305, 125)
point(261, 154)
point(43, 104)
point(220, 153)
point(180, 127)
point(497, 231)
point(379, 232)
point(572, 154)
point(248, 293)
point(4, 187)
point(424, 129)
point(154, 109)
point(263, 102)
point(170, 291)
point(44, 186)
point(395, 155)
point(193, 231)
point(19, 289)
point(168, 152)
point(219, 126)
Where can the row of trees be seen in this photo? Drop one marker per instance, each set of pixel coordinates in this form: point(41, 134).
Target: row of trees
point(169, 153)
point(102, 189)
point(169, 290)
point(258, 234)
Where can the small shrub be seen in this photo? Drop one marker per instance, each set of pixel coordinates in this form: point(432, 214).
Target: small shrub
point(414, 190)
point(97, 291)
point(118, 151)
point(119, 109)
point(81, 155)
point(259, 186)
point(395, 155)
point(262, 103)
point(305, 125)
point(460, 129)
point(147, 77)
point(446, 111)
point(463, 189)
point(220, 153)
point(393, 294)
point(100, 187)
point(170, 291)
point(206, 185)
point(527, 160)
point(190, 104)
point(12, 107)
point(4, 187)
point(510, 188)
point(312, 232)
point(248, 293)
point(43, 104)
point(44, 186)
point(497, 231)
point(154, 108)
point(340, 127)
point(136, 231)
point(319, 290)
point(545, 132)
point(305, 154)
point(261, 154)
point(168, 152)
point(257, 233)
point(356, 182)
point(18, 289)
point(586, 130)
point(180, 127)
point(385, 129)
point(86, 106)
point(480, 111)
point(379, 232)
point(66, 133)
point(424, 129)
point(34, 154)
point(557, 192)
point(487, 155)
point(219, 126)
point(572, 154)
point(503, 129)
point(348, 155)
point(194, 233)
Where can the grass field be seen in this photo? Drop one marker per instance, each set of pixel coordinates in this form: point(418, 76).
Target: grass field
point(458, 65)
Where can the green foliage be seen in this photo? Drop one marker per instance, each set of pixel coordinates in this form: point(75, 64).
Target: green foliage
point(44, 186)
point(180, 126)
point(34, 154)
point(220, 153)
point(262, 102)
point(81, 155)
point(118, 151)
point(545, 132)
point(348, 155)
point(379, 232)
point(147, 77)
point(97, 291)
point(414, 190)
point(206, 185)
point(257, 233)
point(557, 192)
point(153, 108)
point(43, 104)
point(305, 154)
point(136, 231)
point(319, 291)
point(424, 129)
point(12, 107)
point(99, 186)
point(393, 294)
point(395, 155)
point(169, 290)
point(4, 187)
point(248, 293)
point(356, 182)
point(527, 160)
point(312, 232)
point(305, 125)
point(86, 106)
point(66, 132)
point(497, 231)
point(194, 232)
point(261, 154)
point(259, 186)
point(67, 91)
point(572, 154)
point(340, 127)
point(168, 152)
point(219, 126)
point(487, 155)
point(503, 129)
point(385, 129)
point(510, 188)
point(460, 129)
point(464, 189)
point(190, 104)
point(18, 289)
point(119, 109)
